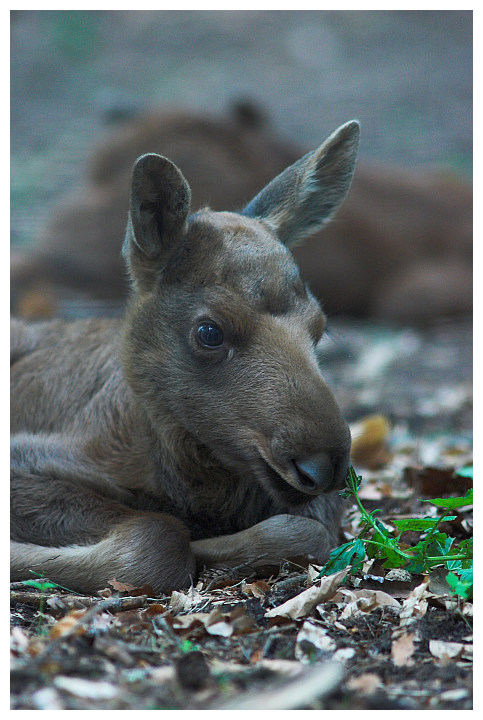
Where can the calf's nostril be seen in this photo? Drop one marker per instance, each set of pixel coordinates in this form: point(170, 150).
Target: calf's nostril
point(304, 478)
point(315, 472)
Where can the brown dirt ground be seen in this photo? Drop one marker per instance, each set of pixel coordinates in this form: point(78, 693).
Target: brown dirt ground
point(213, 646)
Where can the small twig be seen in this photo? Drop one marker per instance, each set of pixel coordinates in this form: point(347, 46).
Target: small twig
point(368, 626)
point(288, 583)
point(36, 599)
point(230, 574)
point(162, 627)
point(196, 608)
point(65, 602)
point(295, 564)
point(20, 585)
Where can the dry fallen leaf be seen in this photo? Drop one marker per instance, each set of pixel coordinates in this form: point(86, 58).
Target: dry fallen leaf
point(19, 640)
point(366, 684)
point(36, 646)
point(343, 654)
point(256, 589)
point(237, 622)
point(362, 601)
point(304, 602)
point(162, 674)
point(369, 436)
point(181, 602)
point(454, 695)
point(216, 622)
point(371, 490)
point(446, 651)
point(47, 699)
point(315, 683)
point(435, 481)
point(416, 604)
point(120, 586)
point(92, 690)
point(154, 609)
point(402, 650)
point(287, 668)
point(65, 624)
point(186, 624)
point(105, 593)
point(312, 638)
point(312, 572)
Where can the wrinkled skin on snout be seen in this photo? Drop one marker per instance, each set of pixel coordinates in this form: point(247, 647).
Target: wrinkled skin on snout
point(225, 343)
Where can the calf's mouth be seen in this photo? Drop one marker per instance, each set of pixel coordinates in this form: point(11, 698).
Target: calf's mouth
point(297, 482)
point(284, 491)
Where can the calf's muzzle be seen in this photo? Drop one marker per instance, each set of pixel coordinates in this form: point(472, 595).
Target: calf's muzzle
point(321, 472)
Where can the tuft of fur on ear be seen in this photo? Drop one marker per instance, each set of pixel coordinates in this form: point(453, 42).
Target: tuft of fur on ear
point(305, 196)
point(159, 204)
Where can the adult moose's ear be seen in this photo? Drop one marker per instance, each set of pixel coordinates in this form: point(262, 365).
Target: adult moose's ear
point(159, 204)
point(306, 195)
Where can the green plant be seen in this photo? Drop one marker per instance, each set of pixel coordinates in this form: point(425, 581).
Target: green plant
point(434, 549)
point(187, 646)
point(41, 585)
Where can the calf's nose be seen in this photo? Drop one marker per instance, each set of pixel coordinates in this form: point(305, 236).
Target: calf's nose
point(322, 472)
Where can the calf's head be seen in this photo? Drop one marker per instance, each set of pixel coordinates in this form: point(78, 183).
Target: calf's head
point(221, 332)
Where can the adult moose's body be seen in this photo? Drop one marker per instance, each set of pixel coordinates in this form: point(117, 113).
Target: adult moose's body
point(198, 430)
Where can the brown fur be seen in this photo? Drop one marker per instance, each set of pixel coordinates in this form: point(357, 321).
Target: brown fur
point(401, 237)
point(140, 449)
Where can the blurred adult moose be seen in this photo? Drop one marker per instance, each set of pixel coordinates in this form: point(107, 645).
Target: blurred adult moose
point(400, 249)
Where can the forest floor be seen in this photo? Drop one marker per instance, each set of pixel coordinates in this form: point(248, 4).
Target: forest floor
point(363, 642)
point(272, 640)
point(277, 637)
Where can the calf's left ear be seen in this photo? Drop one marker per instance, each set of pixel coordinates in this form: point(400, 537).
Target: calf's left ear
point(306, 195)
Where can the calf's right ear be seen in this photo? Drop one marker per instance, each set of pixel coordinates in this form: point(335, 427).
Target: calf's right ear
point(159, 205)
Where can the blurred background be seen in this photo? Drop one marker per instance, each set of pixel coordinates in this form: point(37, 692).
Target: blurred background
point(406, 75)
point(233, 97)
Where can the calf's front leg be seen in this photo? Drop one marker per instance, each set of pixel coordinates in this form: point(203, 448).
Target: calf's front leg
point(269, 542)
point(64, 525)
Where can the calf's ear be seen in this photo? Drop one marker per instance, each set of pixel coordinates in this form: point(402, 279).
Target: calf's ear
point(306, 195)
point(159, 205)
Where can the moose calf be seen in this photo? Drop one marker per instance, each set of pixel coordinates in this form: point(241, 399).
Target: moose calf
point(198, 431)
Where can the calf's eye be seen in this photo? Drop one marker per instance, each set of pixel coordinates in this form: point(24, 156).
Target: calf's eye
point(210, 334)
